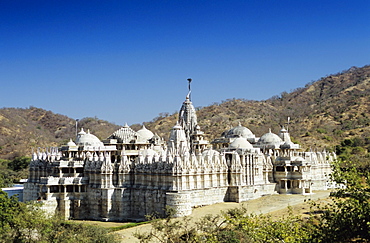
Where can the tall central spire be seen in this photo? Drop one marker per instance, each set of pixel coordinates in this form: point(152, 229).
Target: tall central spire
point(187, 115)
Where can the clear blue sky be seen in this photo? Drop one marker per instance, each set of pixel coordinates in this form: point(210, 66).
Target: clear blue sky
point(128, 61)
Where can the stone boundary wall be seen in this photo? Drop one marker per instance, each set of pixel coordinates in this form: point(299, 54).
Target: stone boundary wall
point(252, 192)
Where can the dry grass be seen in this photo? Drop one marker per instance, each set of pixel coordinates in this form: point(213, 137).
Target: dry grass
point(101, 223)
point(303, 209)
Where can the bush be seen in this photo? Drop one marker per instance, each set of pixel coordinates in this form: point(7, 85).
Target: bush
point(347, 218)
point(20, 222)
point(19, 163)
point(321, 130)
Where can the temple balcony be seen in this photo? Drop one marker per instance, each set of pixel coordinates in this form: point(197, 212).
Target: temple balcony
point(74, 162)
point(64, 180)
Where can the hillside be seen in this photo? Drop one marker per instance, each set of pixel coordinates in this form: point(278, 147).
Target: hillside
point(323, 114)
point(22, 130)
point(334, 107)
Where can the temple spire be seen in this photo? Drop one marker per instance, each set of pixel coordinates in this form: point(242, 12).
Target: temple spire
point(187, 116)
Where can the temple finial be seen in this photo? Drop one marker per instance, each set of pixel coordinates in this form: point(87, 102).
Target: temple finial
point(189, 81)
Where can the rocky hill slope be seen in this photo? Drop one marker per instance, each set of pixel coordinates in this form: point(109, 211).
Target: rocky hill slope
point(322, 114)
point(22, 130)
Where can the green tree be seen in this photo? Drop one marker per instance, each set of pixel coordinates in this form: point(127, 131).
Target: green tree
point(5, 174)
point(8, 208)
point(19, 163)
point(235, 225)
point(348, 217)
point(262, 228)
point(20, 222)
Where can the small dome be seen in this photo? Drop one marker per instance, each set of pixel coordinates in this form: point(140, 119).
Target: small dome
point(71, 143)
point(299, 159)
point(283, 130)
point(124, 135)
point(82, 132)
point(88, 139)
point(270, 139)
point(239, 131)
point(177, 126)
point(144, 134)
point(284, 135)
point(210, 153)
point(240, 143)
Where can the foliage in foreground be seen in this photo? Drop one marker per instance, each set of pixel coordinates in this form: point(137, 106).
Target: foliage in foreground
point(235, 225)
point(346, 219)
point(11, 171)
point(20, 222)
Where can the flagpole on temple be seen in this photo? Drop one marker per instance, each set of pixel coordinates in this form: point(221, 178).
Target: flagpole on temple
point(189, 80)
point(76, 127)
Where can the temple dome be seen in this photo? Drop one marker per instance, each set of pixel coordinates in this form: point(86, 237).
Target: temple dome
point(124, 135)
point(239, 131)
point(299, 158)
point(177, 127)
point(270, 139)
point(283, 130)
point(144, 134)
point(210, 152)
point(88, 139)
point(240, 143)
point(71, 143)
point(82, 132)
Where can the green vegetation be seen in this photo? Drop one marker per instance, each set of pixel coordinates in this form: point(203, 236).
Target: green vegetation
point(347, 218)
point(20, 222)
point(321, 130)
point(11, 171)
point(328, 138)
point(19, 163)
point(354, 152)
point(235, 225)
